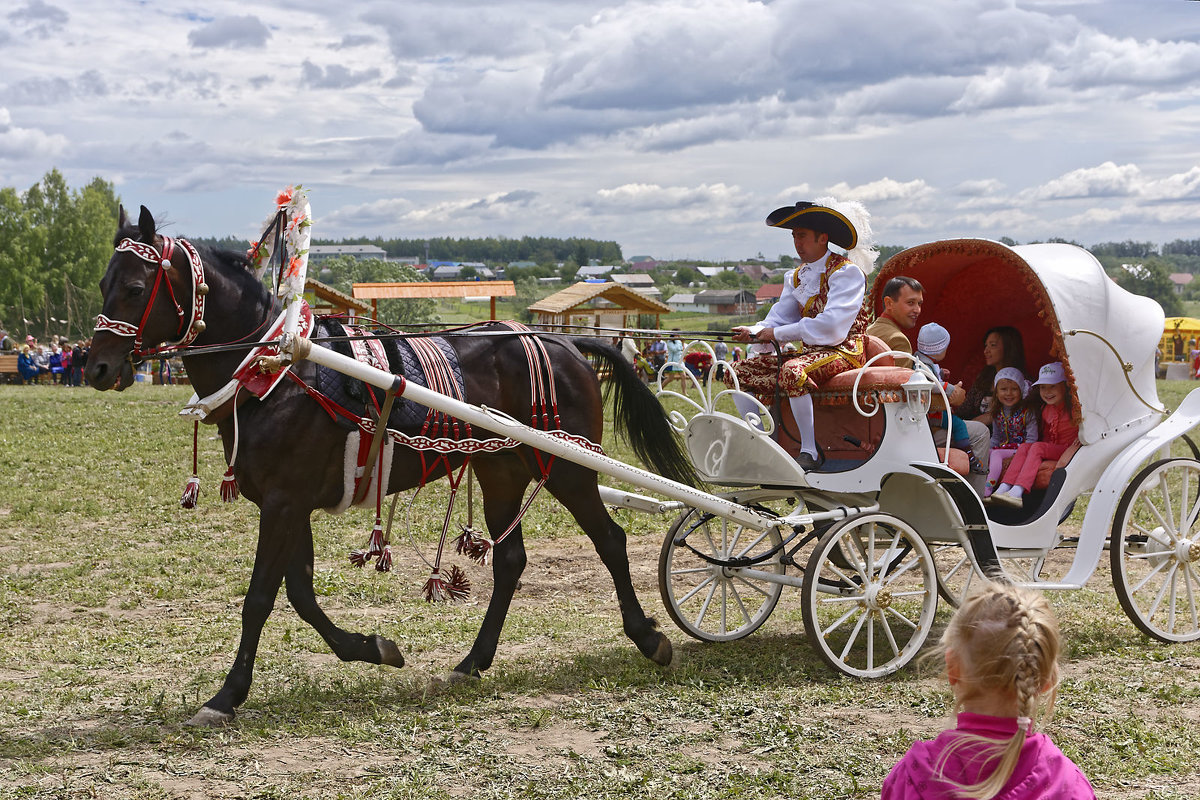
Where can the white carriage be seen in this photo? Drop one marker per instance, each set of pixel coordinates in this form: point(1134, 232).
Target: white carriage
point(894, 524)
point(891, 524)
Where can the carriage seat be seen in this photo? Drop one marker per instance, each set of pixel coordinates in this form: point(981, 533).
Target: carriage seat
point(843, 434)
point(882, 381)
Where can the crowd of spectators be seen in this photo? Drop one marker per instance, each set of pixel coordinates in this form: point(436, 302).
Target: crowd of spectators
point(59, 362)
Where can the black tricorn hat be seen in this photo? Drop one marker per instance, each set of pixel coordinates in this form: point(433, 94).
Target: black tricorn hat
point(821, 219)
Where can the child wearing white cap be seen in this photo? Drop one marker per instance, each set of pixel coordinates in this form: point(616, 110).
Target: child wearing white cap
point(1013, 423)
point(932, 343)
point(1059, 432)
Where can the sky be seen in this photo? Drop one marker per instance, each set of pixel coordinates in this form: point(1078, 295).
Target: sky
point(672, 127)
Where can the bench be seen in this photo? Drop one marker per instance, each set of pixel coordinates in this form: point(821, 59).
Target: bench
point(8, 369)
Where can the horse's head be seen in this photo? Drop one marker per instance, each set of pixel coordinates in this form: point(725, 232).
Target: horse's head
point(150, 282)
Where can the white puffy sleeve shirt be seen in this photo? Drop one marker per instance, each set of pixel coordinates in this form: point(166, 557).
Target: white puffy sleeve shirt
point(829, 327)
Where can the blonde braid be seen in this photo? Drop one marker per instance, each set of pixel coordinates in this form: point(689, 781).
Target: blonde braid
point(1007, 638)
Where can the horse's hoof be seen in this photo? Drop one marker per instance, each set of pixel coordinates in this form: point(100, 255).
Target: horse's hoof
point(209, 718)
point(389, 654)
point(663, 653)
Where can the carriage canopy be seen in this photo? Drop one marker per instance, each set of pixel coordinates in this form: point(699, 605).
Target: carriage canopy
point(1044, 291)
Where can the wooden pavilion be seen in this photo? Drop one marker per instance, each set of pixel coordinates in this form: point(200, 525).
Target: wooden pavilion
point(433, 289)
point(326, 300)
point(596, 305)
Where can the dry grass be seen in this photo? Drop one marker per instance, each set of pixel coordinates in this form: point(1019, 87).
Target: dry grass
point(121, 615)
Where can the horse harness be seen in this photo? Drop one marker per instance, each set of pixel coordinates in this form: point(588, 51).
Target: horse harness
point(186, 333)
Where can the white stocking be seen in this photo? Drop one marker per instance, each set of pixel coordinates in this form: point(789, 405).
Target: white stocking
point(802, 410)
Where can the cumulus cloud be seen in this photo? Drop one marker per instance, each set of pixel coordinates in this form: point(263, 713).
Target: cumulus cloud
point(463, 214)
point(664, 55)
point(39, 19)
point(354, 40)
point(201, 178)
point(652, 197)
point(19, 144)
point(231, 32)
point(335, 76)
point(50, 91)
point(1105, 180)
point(416, 30)
point(882, 190)
point(983, 187)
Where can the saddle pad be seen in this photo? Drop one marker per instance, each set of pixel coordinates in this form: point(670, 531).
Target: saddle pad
point(352, 394)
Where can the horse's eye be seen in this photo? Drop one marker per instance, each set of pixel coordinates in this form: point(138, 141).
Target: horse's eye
point(135, 290)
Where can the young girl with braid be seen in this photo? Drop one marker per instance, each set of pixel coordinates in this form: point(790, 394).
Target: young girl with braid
point(1001, 650)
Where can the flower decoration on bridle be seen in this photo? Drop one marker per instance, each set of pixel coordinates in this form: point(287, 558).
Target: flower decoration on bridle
point(291, 225)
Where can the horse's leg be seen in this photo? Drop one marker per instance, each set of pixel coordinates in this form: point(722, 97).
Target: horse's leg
point(346, 645)
point(502, 486)
point(274, 552)
point(575, 487)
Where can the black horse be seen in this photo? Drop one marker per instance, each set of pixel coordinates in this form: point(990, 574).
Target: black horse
point(288, 475)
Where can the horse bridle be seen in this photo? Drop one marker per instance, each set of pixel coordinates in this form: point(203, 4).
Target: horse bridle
point(187, 331)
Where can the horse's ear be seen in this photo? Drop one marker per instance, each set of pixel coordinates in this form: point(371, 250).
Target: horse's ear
point(122, 219)
point(146, 225)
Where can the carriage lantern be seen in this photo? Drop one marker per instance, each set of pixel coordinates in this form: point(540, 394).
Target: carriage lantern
point(918, 395)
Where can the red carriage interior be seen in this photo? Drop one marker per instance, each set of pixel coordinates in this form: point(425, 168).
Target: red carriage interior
point(970, 286)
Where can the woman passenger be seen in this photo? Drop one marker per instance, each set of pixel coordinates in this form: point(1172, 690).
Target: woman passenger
point(1002, 347)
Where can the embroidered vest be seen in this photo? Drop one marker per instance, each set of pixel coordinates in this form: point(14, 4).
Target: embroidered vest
point(815, 304)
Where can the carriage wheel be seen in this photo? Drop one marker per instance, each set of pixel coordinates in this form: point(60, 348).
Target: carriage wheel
point(955, 573)
point(710, 601)
point(870, 619)
point(1155, 550)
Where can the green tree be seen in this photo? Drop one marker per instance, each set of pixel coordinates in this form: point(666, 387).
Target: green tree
point(1152, 280)
point(21, 291)
point(56, 246)
point(345, 271)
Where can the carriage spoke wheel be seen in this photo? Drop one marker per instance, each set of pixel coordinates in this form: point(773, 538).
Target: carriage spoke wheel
point(869, 619)
point(1155, 550)
point(718, 602)
point(955, 572)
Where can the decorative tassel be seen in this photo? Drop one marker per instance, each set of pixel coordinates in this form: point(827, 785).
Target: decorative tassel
point(454, 587)
point(384, 562)
point(474, 545)
point(191, 492)
point(229, 487)
point(375, 548)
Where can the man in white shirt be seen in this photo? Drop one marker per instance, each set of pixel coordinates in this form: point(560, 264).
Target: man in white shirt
point(820, 312)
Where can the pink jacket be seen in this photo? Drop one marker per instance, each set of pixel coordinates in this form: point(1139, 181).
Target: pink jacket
point(1042, 772)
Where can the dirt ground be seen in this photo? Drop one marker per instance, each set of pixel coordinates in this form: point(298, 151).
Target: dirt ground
point(85, 756)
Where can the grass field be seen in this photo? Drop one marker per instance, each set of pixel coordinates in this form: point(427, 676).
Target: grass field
point(120, 614)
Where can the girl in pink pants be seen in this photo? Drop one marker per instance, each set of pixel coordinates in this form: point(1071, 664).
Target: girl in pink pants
point(1059, 432)
point(1013, 424)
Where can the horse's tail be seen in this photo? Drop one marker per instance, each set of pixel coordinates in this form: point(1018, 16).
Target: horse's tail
point(640, 418)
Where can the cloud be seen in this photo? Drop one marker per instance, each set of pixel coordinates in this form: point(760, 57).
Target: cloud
point(1105, 180)
point(1182, 186)
point(52, 91)
point(883, 190)
point(354, 40)
point(201, 178)
point(20, 144)
point(466, 214)
point(983, 187)
point(416, 30)
point(39, 19)
point(663, 55)
point(232, 32)
point(335, 76)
